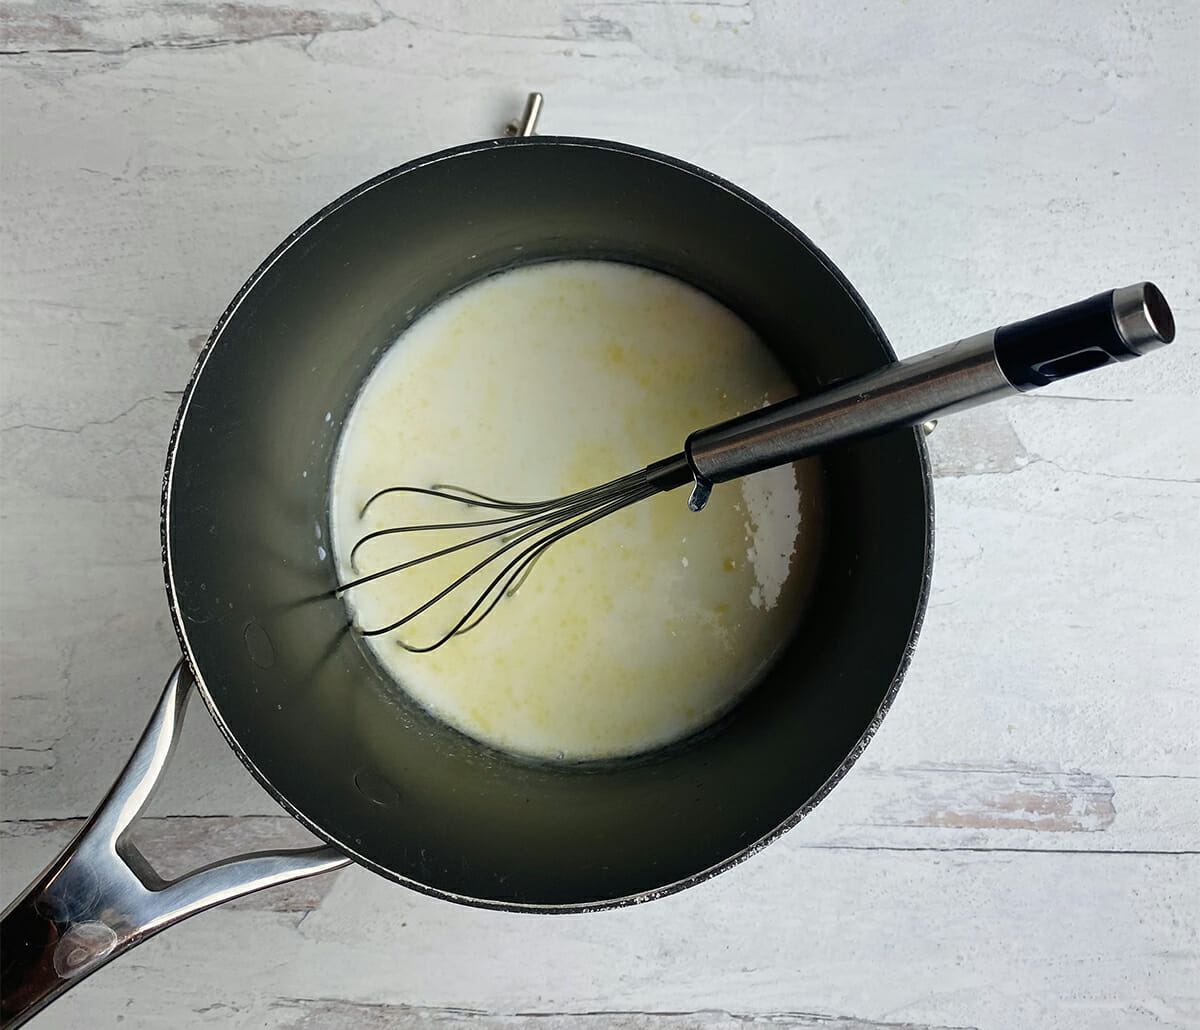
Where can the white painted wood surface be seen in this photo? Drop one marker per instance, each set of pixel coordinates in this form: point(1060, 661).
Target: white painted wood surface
point(1018, 847)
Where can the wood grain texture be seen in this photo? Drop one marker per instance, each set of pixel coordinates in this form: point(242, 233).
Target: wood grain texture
point(312, 1014)
point(1019, 846)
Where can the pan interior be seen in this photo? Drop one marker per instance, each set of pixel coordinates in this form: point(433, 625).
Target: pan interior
point(249, 573)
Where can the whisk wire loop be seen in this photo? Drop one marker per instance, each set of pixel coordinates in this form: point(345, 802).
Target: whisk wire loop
point(529, 529)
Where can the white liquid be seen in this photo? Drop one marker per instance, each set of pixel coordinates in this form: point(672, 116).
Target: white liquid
point(636, 630)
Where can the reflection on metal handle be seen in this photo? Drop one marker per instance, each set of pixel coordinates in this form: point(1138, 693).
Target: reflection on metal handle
point(904, 393)
point(100, 897)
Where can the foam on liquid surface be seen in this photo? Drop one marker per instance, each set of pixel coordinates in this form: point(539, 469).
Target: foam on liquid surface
point(536, 383)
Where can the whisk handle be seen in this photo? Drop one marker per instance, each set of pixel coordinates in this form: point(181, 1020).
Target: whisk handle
point(1113, 326)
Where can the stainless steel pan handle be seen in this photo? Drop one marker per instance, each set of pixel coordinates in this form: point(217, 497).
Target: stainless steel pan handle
point(100, 897)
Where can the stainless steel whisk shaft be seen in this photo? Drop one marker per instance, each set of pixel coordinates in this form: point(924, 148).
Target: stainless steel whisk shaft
point(1114, 326)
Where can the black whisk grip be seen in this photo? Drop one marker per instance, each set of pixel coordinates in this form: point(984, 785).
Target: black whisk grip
point(1113, 326)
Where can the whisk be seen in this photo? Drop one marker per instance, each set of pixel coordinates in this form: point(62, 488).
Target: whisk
point(511, 535)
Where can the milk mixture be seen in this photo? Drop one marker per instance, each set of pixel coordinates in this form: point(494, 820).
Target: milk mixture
point(535, 383)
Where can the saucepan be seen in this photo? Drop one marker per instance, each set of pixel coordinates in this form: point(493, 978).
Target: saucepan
point(303, 705)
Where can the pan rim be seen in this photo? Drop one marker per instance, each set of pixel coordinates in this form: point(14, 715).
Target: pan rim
point(169, 478)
